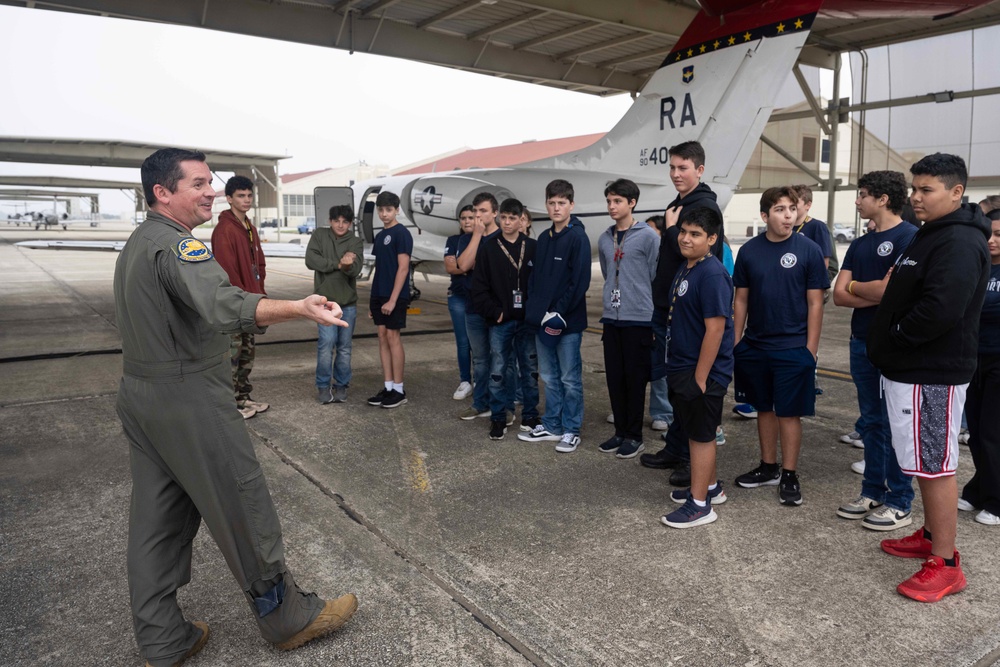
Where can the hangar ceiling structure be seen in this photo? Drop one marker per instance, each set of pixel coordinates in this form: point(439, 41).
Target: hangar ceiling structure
point(262, 169)
point(599, 47)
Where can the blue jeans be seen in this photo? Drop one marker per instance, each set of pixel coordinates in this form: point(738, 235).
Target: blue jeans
point(513, 344)
point(456, 308)
point(561, 368)
point(881, 467)
point(659, 404)
point(336, 339)
point(479, 341)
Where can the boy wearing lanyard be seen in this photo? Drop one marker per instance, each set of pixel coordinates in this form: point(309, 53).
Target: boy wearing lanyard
point(236, 246)
point(699, 362)
point(499, 286)
point(780, 278)
point(628, 251)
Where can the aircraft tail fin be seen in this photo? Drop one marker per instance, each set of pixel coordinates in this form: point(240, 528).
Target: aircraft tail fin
point(717, 87)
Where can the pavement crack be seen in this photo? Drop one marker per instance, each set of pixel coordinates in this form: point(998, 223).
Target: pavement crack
point(478, 614)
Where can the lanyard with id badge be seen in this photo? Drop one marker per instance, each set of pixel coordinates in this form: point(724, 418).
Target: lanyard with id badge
point(518, 295)
point(675, 292)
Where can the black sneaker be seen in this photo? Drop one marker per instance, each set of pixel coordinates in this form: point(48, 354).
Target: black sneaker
point(629, 448)
point(611, 445)
point(789, 492)
point(661, 460)
point(394, 399)
point(497, 429)
point(377, 398)
point(528, 425)
point(759, 476)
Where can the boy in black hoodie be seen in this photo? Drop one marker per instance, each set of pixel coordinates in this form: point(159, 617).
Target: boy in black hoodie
point(924, 340)
point(499, 286)
point(687, 164)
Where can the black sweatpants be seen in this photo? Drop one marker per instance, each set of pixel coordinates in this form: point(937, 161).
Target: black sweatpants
point(981, 402)
point(627, 360)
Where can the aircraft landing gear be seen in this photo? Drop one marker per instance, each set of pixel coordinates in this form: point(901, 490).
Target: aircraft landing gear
point(414, 292)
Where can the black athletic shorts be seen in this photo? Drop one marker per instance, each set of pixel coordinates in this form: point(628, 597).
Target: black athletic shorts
point(700, 413)
point(394, 320)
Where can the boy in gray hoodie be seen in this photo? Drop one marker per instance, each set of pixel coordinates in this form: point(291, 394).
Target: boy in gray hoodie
point(336, 255)
point(628, 252)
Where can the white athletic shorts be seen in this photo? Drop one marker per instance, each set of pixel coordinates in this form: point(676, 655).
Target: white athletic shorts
point(925, 420)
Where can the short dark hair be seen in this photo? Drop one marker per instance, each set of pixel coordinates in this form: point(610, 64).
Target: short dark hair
point(771, 196)
point(485, 196)
point(559, 188)
point(803, 192)
point(992, 202)
point(387, 198)
point(512, 207)
point(950, 169)
point(164, 168)
point(345, 211)
point(623, 188)
point(705, 217)
point(689, 150)
point(238, 183)
point(889, 183)
point(659, 221)
point(994, 214)
point(467, 207)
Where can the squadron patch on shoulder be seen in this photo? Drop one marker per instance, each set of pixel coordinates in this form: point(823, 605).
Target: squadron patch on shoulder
point(190, 249)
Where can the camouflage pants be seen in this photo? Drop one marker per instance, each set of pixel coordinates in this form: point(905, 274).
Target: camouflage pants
point(241, 353)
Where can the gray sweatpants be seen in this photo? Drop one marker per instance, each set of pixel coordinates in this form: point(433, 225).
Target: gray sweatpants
point(191, 458)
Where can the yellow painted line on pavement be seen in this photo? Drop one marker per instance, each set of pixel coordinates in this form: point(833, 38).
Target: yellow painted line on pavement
point(419, 479)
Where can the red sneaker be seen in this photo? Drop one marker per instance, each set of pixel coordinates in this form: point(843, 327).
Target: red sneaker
point(911, 546)
point(934, 580)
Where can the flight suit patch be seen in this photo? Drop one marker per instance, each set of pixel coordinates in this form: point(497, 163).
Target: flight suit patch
point(192, 250)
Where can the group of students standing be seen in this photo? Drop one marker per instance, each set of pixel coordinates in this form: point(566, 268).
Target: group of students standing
point(914, 340)
point(674, 317)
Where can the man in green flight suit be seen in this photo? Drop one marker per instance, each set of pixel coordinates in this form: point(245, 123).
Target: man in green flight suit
point(190, 452)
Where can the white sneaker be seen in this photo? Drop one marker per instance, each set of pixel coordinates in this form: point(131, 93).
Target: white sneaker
point(659, 425)
point(853, 438)
point(965, 505)
point(963, 436)
point(988, 518)
point(568, 443)
point(247, 412)
point(611, 418)
point(464, 391)
point(257, 405)
point(858, 467)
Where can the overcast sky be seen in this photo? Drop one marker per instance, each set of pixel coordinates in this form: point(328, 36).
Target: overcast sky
point(68, 75)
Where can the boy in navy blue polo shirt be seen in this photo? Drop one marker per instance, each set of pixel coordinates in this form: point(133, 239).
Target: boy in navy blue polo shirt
point(780, 278)
point(390, 298)
point(886, 493)
point(699, 361)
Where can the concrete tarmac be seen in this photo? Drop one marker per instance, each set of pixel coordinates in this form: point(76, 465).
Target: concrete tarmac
point(462, 550)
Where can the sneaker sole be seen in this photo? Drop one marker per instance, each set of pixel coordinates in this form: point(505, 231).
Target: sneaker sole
point(902, 523)
point(395, 405)
point(566, 450)
point(921, 596)
point(757, 485)
point(498, 437)
point(548, 438)
point(790, 503)
point(717, 500)
point(377, 404)
point(634, 454)
point(843, 514)
point(708, 518)
point(318, 628)
point(904, 554)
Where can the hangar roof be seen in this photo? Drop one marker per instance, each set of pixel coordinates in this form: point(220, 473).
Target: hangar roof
point(596, 47)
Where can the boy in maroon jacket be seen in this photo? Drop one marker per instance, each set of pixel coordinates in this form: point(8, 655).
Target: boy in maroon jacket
point(236, 246)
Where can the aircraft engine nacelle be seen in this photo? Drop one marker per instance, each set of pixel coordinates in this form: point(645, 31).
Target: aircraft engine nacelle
point(433, 202)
